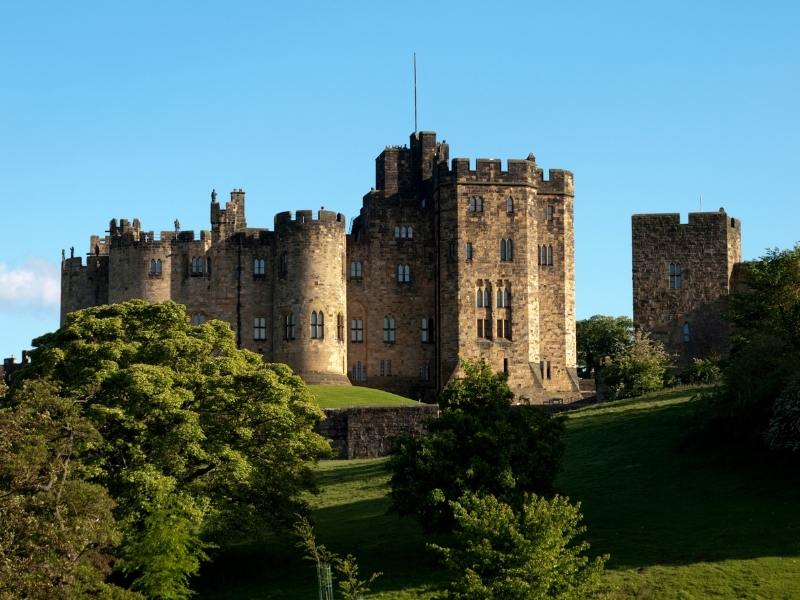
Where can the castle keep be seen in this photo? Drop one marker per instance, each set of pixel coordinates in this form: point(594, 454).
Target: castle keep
point(682, 275)
point(445, 261)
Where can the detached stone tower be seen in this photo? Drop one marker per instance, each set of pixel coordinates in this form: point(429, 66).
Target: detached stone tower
point(682, 275)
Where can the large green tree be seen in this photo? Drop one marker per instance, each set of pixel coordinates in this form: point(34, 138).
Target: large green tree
point(765, 354)
point(198, 437)
point(479, 443)
point(602, 336)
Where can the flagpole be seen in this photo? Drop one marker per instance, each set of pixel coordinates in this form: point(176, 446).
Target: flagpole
point(415, 92)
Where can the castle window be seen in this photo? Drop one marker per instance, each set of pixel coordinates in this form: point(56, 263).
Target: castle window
point(507, 329)
point(386, 368)
point(485, 328)
point(509, 205)
point(259, 328)
point(340, 327)
point(259, 267)
point(505, 366)
point(675, 276)
point(479, 298)
point(389, 330)
point(198, 319)
point(506, 250)
point(475, 204)
point(550, 256)
point(499, 298)
point(197, 266)
point(424, 331)
point(468, 250)
point(549, 211)
point(284, 269)
point(403, 274)
point(542, 255)
point(507, 298)
point(487, 297)
point(356, 269)
point(423, 203)
point(357, 330)
point(687, 336)
point(403, 232)
point(317, 325)
point(155, 266)
point(359, 372)
point(425, 372)
point(288, 326)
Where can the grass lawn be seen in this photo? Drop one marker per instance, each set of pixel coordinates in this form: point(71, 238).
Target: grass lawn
point(345, 396)
point(678, 524)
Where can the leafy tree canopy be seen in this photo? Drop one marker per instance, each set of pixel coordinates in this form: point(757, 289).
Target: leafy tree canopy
point(637, 369)
point(480, 443)
point(533, 553)
point(197, 437)
point(600, 336)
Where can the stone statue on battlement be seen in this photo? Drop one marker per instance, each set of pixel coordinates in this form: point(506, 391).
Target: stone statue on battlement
point(213, 195)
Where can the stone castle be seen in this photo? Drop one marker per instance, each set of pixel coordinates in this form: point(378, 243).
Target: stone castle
point(444, 262)
point(682, 276)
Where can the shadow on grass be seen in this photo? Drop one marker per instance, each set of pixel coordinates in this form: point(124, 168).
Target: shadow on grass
point(349, 473)
point(647, 501)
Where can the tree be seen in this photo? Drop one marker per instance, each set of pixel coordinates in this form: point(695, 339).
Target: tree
point(528, 554)
point(637, 369)
point(57, 530)
point(765, 354)
point(198, 437)
point(600, 336)
point(479, 443)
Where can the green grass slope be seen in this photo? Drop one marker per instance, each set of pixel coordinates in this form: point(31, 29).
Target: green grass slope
point(678, 524)
point(346, 396)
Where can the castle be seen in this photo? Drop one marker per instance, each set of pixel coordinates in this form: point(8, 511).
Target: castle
point(444, 262)
point(682, 276)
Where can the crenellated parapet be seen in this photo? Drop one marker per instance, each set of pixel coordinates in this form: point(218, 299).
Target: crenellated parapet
point(523, 172)
point(306, 218)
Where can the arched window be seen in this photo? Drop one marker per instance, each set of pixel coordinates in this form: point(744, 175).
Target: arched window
point(314, 325)
point(403, 274)
point(502, 250)
point(468, 250)
point(397, 233)
point(549, 212)
point(479, 298)
point(687, 336)
point(289, 325)
point(152, 266)
point(197, 265)
point(389, 330)
point(410, 232)
point(356, 269)
point(476, 204)
point(259, 266)
point(509, 250)
point(550, 256)
point(487, 297)
point(509, 205)
point(499, 298)
point(198, 319)
point(320, 325)
point(507, 298)
point(675, 276)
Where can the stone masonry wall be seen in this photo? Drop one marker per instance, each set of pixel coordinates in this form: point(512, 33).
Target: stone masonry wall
point(687, 319)
point(369, 432)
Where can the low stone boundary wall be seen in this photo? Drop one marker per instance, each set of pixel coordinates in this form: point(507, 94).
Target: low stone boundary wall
point(370, 431)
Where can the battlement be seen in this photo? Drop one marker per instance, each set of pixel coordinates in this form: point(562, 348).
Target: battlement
point(306, 217)
point(700, 220)
point(517, 172)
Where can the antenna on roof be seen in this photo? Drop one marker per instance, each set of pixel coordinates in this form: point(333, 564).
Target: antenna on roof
point(415, 92)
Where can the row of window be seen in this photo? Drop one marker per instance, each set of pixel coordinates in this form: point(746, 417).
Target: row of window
point(358, 372)
point(290, 326)
point(475, 205)
point(426, 330)
point(483, 297)
point(403, 232)
point(403, 272)
point(484, 329)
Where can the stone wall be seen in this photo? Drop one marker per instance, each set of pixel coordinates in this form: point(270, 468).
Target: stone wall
point(369, 432)
point(688, 319)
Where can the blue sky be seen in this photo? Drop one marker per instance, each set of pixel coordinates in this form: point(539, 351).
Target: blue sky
point(138, 109)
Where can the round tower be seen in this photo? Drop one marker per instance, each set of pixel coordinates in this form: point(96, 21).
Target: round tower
point(138, 265)
point(309, 316)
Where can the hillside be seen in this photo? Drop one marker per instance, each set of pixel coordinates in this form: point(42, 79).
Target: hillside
point(677, 524)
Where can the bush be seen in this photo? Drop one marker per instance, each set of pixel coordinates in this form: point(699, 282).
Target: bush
point(601, 336)
point(637, 369)
point(479, 443)
point(703, 371)
point(783, 431)
point(529, 554)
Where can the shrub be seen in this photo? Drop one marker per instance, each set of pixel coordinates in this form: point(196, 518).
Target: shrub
point(703, 370)
point(783, 431)
point(529, 554)
point(637, 369)
point(479, 443)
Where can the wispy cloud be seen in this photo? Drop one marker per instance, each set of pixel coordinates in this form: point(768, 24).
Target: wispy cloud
point(34, 286)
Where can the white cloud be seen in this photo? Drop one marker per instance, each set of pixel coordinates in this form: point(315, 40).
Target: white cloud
point(34, 286)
